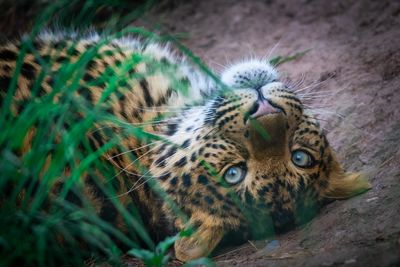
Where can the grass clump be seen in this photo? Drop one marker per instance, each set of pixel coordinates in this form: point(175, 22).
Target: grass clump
point(54, 230)
point(39, 228)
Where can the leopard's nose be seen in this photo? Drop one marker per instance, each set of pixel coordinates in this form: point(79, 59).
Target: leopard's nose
point(264, 104)
point(264, 107)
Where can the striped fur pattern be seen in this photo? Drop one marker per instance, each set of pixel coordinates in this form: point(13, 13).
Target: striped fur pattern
point(258, 126)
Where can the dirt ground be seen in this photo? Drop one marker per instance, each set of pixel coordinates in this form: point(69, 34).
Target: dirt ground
point(355, 56)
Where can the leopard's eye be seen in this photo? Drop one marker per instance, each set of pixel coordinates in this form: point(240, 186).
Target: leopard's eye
point(302, 159)
point(235, 174)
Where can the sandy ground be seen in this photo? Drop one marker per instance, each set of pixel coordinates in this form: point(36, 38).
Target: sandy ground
point(355, 58)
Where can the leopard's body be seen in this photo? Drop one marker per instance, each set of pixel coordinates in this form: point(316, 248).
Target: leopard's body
point(257, 127)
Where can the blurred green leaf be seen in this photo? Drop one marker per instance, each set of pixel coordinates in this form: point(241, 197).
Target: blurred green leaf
point(157, 258)
point(279, 60)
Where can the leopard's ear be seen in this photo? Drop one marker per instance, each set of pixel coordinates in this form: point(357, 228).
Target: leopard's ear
point(345, 185)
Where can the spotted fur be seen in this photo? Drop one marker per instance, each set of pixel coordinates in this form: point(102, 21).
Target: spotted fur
point(256, 124)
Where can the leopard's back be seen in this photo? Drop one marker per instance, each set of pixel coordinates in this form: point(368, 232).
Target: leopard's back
point(139, 84)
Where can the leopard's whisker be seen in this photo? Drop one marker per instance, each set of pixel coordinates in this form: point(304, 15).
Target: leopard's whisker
point(124, 169)
point(314, 92)
point(213, 62)
point(129, 124)
point(135, 186)
point(294, 84)
point(319, 94)
point(267, 56)
point(317, 106)
point(313, 85)
point(327, 112)
point(104, 127)
point(308, 98)
point(151, 122)
point(159, 108)
point(132, 150)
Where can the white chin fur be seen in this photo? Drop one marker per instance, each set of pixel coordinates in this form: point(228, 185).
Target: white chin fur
point(252, 73)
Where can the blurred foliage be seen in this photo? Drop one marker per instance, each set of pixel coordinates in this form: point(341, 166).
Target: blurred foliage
point(19, 16)
point(35, 231)
point(56, 231)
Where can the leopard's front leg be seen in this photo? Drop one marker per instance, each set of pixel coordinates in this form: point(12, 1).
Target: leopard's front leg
point(200, 244)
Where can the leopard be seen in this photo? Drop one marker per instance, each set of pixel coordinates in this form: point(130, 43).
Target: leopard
point(233, 149)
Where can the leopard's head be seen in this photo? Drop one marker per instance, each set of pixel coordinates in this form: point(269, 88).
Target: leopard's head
point(251, 158)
